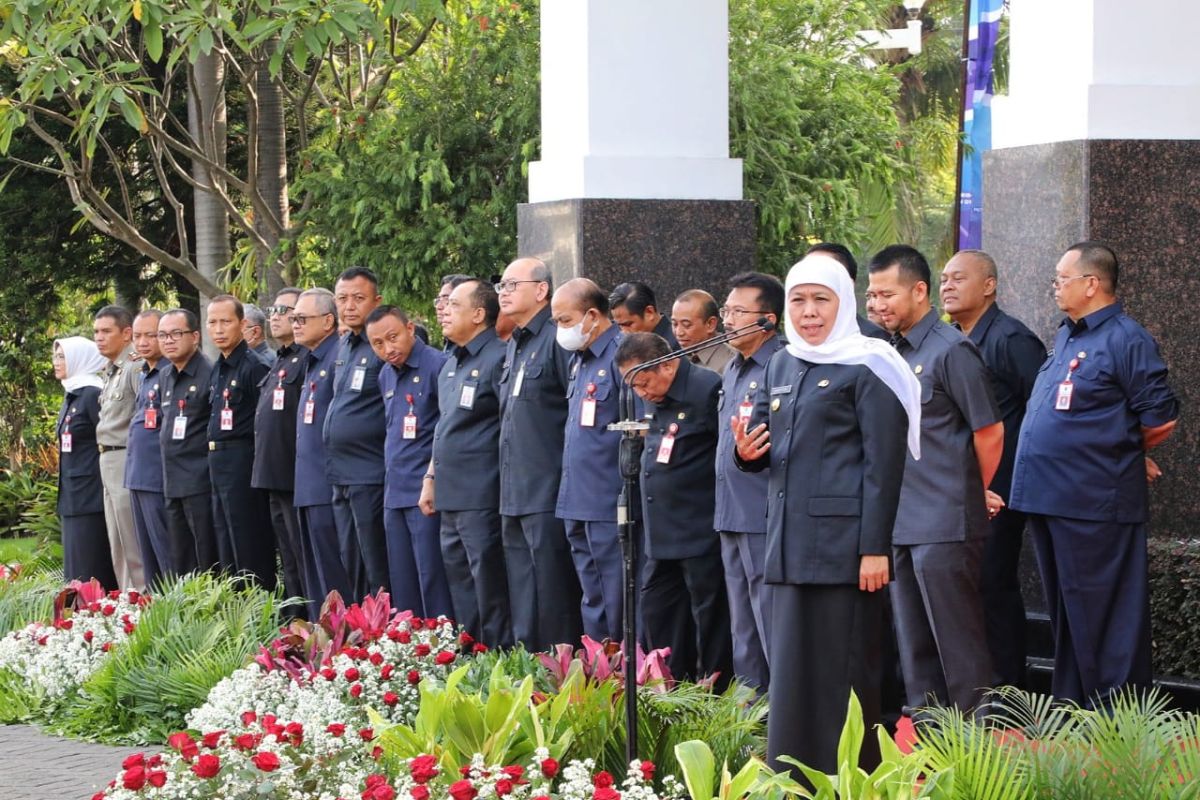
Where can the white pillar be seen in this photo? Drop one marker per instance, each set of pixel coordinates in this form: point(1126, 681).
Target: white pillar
point(1100, 69)
point(635, 101)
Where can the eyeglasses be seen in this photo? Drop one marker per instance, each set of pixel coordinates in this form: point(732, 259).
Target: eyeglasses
point(510, 285)
point(302, 319)
point(441, 300)
point(726, 312)
point(1058, 283)
point(279, 310)
point(172, 336)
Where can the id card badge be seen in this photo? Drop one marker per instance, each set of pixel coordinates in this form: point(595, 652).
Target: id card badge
point(1063, 401)
point(587, 411)
point(357, 378)
point(520, 379)
point(745, 410)
point(667, 445)
point(67, 439)
point(467, 398)
point(151, 421)
point(277, 396)
point(410, 420)
point(226, 419)
point(179, 429)
point(310, 405)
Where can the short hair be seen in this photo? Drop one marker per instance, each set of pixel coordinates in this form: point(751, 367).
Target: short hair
point(770, 290)
point(455, 279)
point(386, 311)
point(420, 332)
point(708, 305)
point(839, 253)
point(238, 309)
point(149, 312)
point(289, 290)
point(189, 318)
point(541, 272)
point(590, 296)
point(118, 314)
point(484, 296)
point(324, 298)
point(1100, 259)
point(350, 273)
point(634, 296)
point(989, 263)
point(254, 314)
point(912, 264)
point(641, 347)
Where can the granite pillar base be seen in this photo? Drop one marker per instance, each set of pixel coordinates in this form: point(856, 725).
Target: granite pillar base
point(1138, 196)
point(672, 245)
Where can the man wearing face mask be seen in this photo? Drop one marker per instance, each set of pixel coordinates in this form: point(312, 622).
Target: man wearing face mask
point(591, 476)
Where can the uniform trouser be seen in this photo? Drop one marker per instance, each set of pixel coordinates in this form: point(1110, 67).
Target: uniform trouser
point(193, 543)
point(1097, 594)
point(543, 590)
point(286, 525)
point(358, 514)
point(1003, 606)
point(473, 554)
point(749, 604)
point(150, 523)
point(324, 571)
point(826, 644)
point(416, 574)
point(596, 551)
point(85, 549)
point(118, 517)
point(939, 623)
point(684, 608)
point(241, 517)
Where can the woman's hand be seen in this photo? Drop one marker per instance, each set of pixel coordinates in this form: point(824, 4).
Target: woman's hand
point(872, 573)
point(751, 445)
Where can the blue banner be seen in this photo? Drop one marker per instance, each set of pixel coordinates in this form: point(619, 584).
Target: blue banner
point(984, 22)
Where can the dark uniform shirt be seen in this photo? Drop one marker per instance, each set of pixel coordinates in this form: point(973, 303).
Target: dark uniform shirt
point(591, 474)
point(678, 497)
point(941, 499)
point(870, 329)
point(533, 411)
point(185, 461)
point(741, 496)
point(264, 351)
point(466, 442)
point(1088, 462)
point(143, 459)
point(312, 486)
point(275, 422)
point(407, 459)
point(663, 329)
point(1013, 355)
point(355, 426)
point(233, 384)
point(79, 488)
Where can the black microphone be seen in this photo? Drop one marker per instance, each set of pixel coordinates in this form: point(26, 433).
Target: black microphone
point(765, 324)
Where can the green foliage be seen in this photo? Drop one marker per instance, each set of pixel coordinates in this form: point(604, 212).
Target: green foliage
point(699, 770)
point(515, 661)
point(197, 630)
point(28, 598)
point(1175, 606)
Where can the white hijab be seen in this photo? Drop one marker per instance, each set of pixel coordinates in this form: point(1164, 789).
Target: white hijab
point(83, 361)
point(846, 344)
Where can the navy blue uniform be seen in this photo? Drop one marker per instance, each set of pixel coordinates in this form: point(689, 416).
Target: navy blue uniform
point(86, 552)
point(186, 486)
point(591, 482)
point(1080, 474)
point(684, 606)
point(144, 472)
point(354, 433)
point(410, 400)
point(467, 487)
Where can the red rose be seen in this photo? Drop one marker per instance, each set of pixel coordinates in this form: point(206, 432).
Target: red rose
point(207, 766)
point(336, 728)
point(135, 760)
point(104, 648)
point(133, 597)
point(249, 717)
point(108, 610)
point(390, 698)
point(211, 740)
point(602, 780)
point(266, 761)
point(516, 772)
point(134, 778)
point(380, 791)
point(157, 778)
point(178, 740)
point(376, 658)
point(351, 674)
point(128, 628)
point(376, 752)
point(465, 639)
point(414, 677)
point(154, 760)
point(503, 786)
point(88, 636)
point(431, 624)
point(328, 673)
point(462, 790)
point(403, 637)
point(356, 690)
point(423, 768)
point(246, 741)
point(268, 720)
point(479, 647)
point(647, 768)
point(549, 767)
point(367, 734)
point(374, 780)
point(295, 730)
point(98, 796)
point(444, 657)
point(421, 649)
point(419, 793)
point(606, 793)
point(386, 672)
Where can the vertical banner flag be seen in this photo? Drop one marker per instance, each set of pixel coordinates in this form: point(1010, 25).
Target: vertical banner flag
point(984, 21)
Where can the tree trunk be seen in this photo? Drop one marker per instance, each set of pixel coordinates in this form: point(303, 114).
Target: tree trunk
point(272, 176)
point(206, 123)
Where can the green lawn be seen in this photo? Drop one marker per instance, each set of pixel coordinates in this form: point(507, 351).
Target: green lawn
point(27, 549)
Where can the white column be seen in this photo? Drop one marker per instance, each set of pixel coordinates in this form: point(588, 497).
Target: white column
point(1100, 69)
point(635, 101)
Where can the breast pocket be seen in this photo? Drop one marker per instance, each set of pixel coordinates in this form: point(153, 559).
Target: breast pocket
point(529, 383)
point(927, 392)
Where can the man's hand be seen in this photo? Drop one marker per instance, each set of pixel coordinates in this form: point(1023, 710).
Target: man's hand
point(1153, 471)
point(872, 573)
point(751, 445)
point(425, 502)
point(994, 502)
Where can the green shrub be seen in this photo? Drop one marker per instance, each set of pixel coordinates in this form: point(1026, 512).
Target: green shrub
point(28, 504)
point(28, 598)
point(1175, 606)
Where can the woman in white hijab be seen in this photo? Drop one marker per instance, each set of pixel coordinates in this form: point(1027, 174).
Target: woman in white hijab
point(86, 552)
point(831, 422)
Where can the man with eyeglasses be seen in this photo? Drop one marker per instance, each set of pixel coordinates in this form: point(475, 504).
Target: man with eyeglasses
point(254, 325)
point(635, 310)
point(695, 319)
point(355, 430)
point(741, 496)
point(543, 587)
point(183, 434)
point(868, 325)
point(275, 439)
point(1099, 404)
point(1013, 355)
point(143, 456)
point(314, 326)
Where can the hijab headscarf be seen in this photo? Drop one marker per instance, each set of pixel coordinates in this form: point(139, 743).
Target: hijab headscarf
point(83, 362)
point(846, 344)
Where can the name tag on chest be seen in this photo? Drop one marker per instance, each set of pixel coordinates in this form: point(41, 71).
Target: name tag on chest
point(1062, 401)
point(179, 428)
point(518, 381)
point(277, 399)
point(357, 378)
point(226, 419)
point(467, 398)
point(667, 445)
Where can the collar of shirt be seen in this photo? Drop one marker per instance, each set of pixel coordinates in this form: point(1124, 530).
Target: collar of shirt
point(1095, 319)
point(678, 390)
point(764, 352)
point(128, 355)
point(353, 339)
point(535, 324)
point(596, 348)
point(287, 350)
point(982, 325)
point(235, 358)
point(190, 367)
point(322, 350)
point(916, 335)
point(475, 345)
point(149, 369)
point(415, 356)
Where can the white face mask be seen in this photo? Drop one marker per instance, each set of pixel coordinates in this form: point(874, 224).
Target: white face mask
point(573, 338)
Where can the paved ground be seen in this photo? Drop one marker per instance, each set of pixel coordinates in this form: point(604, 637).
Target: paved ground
point(34, 766)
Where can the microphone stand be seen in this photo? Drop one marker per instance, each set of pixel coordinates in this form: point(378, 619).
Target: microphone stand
point(629, 512)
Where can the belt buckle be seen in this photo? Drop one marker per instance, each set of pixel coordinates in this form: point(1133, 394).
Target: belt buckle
point(212, 445)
